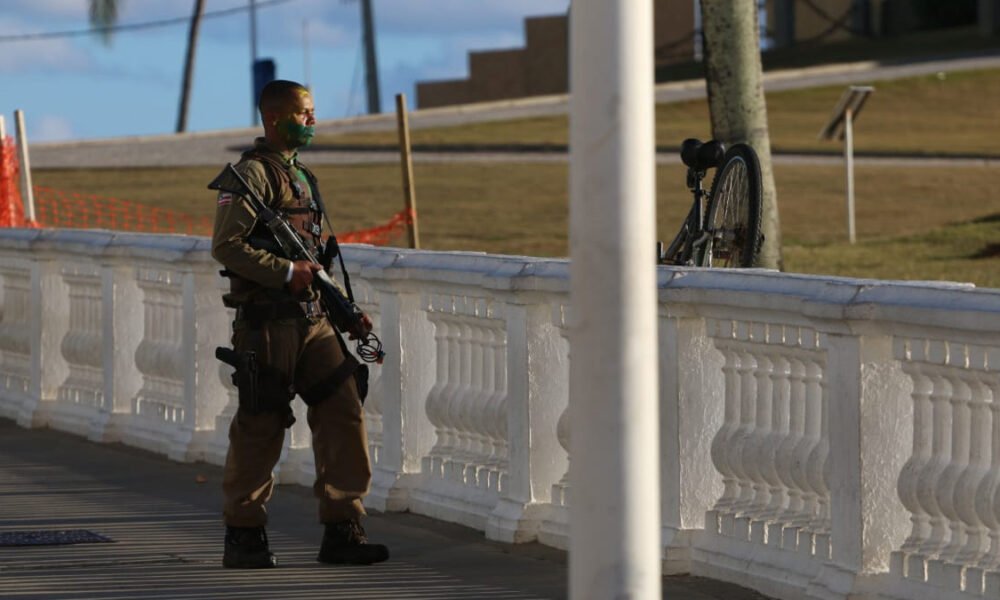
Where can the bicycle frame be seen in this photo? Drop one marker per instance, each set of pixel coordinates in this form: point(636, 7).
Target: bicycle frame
point(689, 247)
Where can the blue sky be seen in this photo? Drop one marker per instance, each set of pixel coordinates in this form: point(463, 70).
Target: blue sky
point(80, 88)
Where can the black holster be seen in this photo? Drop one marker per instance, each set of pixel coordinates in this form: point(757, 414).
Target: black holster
point(246, 378)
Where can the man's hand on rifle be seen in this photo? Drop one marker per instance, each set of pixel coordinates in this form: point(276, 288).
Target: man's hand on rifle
point(363, 328)
point(303, 272)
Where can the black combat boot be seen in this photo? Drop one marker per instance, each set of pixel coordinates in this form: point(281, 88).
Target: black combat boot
point(246, 548)
point(346, 543)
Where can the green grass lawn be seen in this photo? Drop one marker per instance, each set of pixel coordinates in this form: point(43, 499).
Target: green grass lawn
point(926, 223)
point(947, 115)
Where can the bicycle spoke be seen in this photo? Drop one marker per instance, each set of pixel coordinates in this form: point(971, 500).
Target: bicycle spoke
point(727, 226)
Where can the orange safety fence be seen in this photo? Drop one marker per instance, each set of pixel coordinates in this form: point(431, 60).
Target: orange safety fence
point(11, 206)
point(71, 210)
point(382, 234)
point(56, 208)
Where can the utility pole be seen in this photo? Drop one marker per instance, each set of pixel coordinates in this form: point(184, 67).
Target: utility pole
point(305, 54)
point(192, 46)
point(253, 62)
point(371, 66)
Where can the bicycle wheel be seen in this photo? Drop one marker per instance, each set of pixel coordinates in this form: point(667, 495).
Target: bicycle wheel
point(732, 218)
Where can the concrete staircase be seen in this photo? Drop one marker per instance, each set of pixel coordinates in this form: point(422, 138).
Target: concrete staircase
point(541, 66)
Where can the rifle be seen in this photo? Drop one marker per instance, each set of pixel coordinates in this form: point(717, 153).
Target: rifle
point(340, 310)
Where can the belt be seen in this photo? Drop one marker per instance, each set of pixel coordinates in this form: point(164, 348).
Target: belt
point(272, 311)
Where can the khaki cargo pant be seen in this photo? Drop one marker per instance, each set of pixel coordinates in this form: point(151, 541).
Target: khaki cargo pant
point(297, 354)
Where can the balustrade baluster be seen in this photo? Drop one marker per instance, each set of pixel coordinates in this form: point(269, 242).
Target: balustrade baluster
point(988, 495)
point(470, 413)
point(499, 455)
point(930, 477)
point(484, 446)
point(721, 441)
point(909, 478)
point(460, 397)
point(738, 445)
point(947, 488)
point(787, 456)
point(971, 481)
point(756, 450)
point(436, 399)
point(83, 387)
point(804, 470)
point(779, 431)
point(819, 467)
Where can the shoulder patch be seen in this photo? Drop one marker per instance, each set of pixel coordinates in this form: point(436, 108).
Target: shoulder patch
point(225, 198)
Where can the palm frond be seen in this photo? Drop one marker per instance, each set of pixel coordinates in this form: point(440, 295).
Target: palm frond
point(103, 16)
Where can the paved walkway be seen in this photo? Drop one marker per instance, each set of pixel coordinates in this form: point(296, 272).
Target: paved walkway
point(167, 538)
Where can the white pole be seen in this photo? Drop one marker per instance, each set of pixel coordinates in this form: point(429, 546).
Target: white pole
point(849, 159)
point(253, 62)
point(3, 129)
point(26, 190)
point(305, 52)
point(614, 549)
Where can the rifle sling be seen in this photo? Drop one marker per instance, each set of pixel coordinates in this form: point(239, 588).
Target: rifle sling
point(322, 209)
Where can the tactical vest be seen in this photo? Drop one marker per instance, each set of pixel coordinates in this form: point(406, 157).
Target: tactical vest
point(304, 215)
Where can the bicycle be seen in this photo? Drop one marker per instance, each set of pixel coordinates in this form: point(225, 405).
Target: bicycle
point(725, 232)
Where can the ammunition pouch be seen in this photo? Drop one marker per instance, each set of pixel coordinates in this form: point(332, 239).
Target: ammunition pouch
point(258, 313)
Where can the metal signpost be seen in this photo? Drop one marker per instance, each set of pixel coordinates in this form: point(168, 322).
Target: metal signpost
point(841, 127)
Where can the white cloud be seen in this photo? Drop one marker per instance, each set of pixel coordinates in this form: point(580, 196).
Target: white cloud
point(321, 33)
point(49, 128)
point(51, 54)
point(30, 56)
point(64, 9)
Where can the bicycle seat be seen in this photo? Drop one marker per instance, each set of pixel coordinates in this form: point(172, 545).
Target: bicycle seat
point(700, 155)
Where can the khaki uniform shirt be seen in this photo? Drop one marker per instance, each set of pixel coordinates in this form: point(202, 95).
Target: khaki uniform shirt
point(259, 273)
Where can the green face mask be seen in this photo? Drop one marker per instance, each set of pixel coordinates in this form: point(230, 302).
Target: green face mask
point(298, 135)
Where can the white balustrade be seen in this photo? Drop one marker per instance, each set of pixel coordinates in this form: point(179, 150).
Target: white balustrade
point(554, 529)
point(820, 437)
point(466, 469)
point(82, 349)
point(15, 337)
point(950, 483)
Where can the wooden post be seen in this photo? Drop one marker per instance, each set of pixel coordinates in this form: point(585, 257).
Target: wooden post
point(26, 189)
point(409, 194)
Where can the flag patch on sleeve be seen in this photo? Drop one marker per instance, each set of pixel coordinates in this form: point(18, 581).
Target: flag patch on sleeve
point(225, 198)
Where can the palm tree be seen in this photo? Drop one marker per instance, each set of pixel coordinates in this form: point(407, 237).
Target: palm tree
point(734, 79)
point(104, 15)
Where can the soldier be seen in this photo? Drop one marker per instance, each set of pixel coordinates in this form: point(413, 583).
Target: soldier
point(286, 347)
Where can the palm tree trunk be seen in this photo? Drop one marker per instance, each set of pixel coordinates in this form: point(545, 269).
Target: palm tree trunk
point(182, 113)
point(734, 78)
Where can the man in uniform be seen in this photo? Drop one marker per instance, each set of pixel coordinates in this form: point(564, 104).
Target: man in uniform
point(287, 347)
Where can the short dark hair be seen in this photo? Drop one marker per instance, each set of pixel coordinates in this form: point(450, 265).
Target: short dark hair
point(277, 94)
